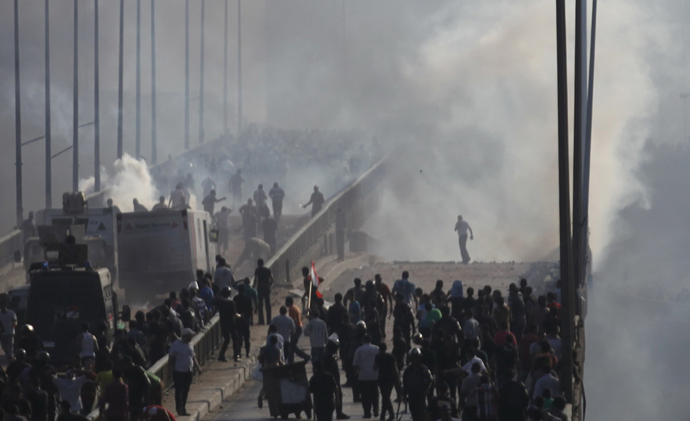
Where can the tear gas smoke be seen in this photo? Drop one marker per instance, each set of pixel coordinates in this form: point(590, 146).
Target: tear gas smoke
point(130, 179)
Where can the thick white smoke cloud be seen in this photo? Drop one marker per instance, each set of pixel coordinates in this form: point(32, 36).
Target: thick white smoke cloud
point(486, 84)
point(130, 179)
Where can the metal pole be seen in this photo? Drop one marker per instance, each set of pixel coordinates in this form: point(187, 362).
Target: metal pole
point(239, 68)
point(137, 124)
point(18, 117)
point(75, 102)
point(186, 75)
point(120, 77)
point(579, 133)
point(96, 107)
point(588, 142)
point(345, 74)
point(201, 76)
point(225, 72)
point(154, 127)
point(564, 197)
point(48, 152)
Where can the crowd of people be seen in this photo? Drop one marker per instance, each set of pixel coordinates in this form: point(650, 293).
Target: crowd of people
point(331, 157)
point(107, 373)
point(260, 222)
point(453, 354)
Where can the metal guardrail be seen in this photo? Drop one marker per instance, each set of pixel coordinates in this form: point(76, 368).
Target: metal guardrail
point(358, 200)
point(9, 244)
point(204, 343)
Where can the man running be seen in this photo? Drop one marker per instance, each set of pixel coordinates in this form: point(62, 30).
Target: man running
point(462, 227)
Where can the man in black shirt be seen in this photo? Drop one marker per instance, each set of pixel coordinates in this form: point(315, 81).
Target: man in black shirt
point(226, 312)
point(277, 195)
point(263, 280)
point(316, 201)
point(244, 308)
point(138, 383)
point(388, 378)
point(322, 385)
point(329, 362)
point(38, 399)
point(403, 318)
point(334, 319)
point(513, 400)
point(15, 368)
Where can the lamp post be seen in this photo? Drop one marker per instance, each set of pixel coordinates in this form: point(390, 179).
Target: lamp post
point(120, 80)
point(75, 102)
point(239, 68)
point(96, 107)
point(48, 151)
point(201, 73)
point(17, 117)
point(154, 124)
point(137, 122)
point(225, 71)
point(186, 75)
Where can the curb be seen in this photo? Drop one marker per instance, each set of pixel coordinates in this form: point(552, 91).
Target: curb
point(202, 400)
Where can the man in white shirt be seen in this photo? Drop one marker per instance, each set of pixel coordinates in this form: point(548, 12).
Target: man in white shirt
point(462, 227)
point(8, 321)
point(285, 328)
point(365, 357)
point(69, 388)
point(177, 197)
point(182, 363)
point(223, 221)
point(280, 344)
point(471, 359)
point(547, 381)
point(317, 331)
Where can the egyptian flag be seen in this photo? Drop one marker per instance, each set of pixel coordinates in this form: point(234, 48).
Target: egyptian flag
point(315, 280)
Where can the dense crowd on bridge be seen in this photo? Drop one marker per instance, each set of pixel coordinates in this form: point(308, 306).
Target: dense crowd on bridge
point(457, 353)
point(267, 153)
point(478, 355)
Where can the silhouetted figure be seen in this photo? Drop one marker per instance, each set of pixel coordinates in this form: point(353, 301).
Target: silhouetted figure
point(316, 201)
point(462, 227)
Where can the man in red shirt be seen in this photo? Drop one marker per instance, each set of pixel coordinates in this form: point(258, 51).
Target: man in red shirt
point(116, 396)
point(526, 342)
point(551, 301)
point(502, 334)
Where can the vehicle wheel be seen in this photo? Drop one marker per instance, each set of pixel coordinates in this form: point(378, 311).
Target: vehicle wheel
point(284, 415)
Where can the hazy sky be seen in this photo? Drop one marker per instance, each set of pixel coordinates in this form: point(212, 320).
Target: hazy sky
point(465, 89)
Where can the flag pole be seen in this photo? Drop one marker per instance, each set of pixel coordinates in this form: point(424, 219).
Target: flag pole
point(311, 285)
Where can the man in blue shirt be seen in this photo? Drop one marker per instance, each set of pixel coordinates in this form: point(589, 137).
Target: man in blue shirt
point(405, 288)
